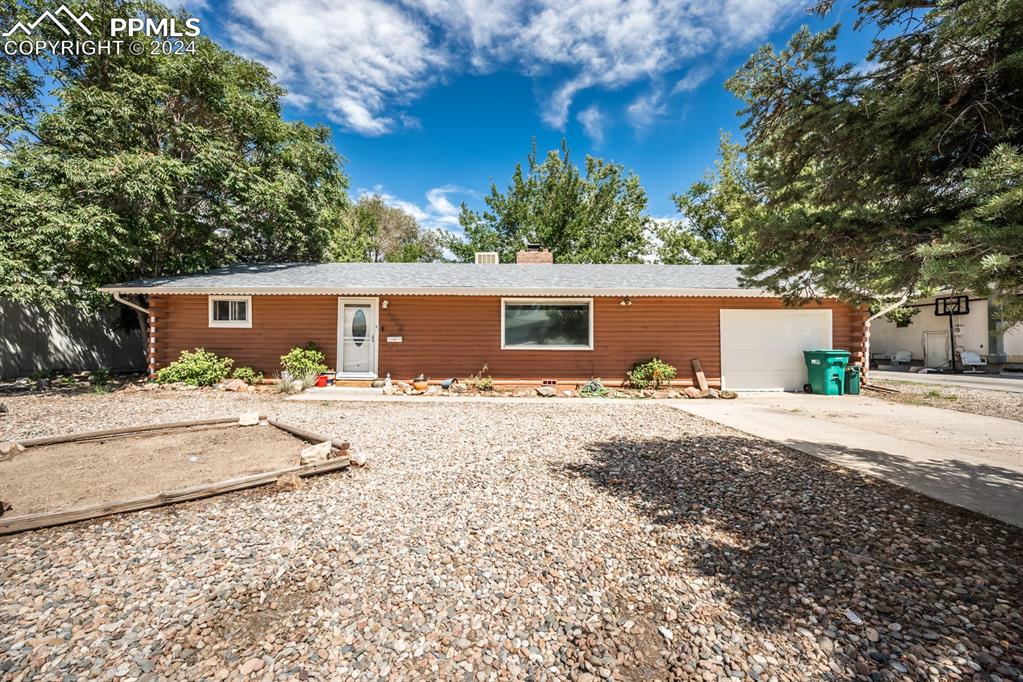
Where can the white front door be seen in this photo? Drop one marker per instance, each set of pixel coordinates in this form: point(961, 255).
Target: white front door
point(763, 349)
point(357, 337)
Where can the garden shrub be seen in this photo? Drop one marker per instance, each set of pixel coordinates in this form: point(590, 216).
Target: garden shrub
point(303, 360)
point(284, 383)
point(308, 377)
point(594, 388)
point(199, 367)
point(481, 381)
point(651, 372)
point(248, 375)
point(101, 377)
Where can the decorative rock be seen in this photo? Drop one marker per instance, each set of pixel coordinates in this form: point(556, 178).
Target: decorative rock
point(728, 395)
point(692, 392)
point(359, 459)
point(253, 665)
point(433, 390)
point(290, 482)
point(248, 419)
point(9, 449)
point(546, 391)
point(488, 527)
point(390, 389)
point(458, 388)
point(297, 386)
point(665, 632)
point(315, 454)
point(673, 395)
point(712, 393)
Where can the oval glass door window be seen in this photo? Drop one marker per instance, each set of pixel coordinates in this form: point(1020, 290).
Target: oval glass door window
point(359, 327)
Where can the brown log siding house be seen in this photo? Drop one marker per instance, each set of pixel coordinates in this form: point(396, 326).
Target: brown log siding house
point(529, 322)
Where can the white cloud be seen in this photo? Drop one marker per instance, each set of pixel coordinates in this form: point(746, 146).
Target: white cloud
point(363, 61)
point(694, 78)
point(439, 211)
point(592, 121)
point(645, 110)
point(352, 58)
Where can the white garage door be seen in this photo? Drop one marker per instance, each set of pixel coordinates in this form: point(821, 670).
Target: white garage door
point(763, 349)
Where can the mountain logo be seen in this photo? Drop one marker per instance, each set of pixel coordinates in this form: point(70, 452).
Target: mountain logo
point(52, 18)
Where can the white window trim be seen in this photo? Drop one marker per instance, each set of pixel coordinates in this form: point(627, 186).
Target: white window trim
point(576, 301)
point(238, 324)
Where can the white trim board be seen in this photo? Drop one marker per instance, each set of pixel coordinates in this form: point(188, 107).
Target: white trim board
point(440, 291)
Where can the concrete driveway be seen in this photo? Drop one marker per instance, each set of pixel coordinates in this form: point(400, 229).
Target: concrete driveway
point(967, 460)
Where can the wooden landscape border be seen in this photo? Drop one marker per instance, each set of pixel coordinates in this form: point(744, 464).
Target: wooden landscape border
point(18, 524)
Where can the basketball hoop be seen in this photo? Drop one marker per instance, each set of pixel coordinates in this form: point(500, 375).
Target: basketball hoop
point(950, 306)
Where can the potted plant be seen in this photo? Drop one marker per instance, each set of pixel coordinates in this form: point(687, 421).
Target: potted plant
point(420, 383)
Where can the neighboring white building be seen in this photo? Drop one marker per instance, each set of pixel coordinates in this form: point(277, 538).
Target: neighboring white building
point(927, 336)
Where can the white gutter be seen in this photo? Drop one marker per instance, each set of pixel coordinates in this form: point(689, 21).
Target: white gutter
point(136, 306)
point(435, 291)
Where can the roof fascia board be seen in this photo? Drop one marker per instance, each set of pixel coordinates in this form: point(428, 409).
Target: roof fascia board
point(437, 291)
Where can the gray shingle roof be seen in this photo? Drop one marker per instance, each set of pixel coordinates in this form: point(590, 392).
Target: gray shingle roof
point(452, 278)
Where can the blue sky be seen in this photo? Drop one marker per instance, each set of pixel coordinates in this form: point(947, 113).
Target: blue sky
point(431, 100)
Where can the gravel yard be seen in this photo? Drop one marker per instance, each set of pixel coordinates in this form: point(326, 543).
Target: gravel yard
point(542, 541)
point(972, 400)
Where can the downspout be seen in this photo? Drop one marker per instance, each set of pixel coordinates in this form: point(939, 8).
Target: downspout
point(136, 306)
point(148, 329)
point(866, 349)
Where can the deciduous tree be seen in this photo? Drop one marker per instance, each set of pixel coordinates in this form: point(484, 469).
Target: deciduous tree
point(714, 212)
point(122, 166)
point(380, 233)
point(596, 216)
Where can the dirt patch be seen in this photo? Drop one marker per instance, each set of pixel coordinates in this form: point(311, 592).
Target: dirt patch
point(71, 475)
point(961, 399)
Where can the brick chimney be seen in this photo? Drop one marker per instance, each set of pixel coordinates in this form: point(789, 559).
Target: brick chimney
point(534, 254)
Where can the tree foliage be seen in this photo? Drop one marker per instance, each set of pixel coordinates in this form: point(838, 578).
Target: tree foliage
point(378, 233)
point(592, 217)
point(899, 175)
point(715, 212)
point(122, 166)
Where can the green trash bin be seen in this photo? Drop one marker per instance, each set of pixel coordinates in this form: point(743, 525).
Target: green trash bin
point(852, 380)
point(825, 371)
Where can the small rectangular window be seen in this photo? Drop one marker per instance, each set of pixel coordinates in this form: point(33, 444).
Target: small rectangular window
point(230, 311)
point(547, 324)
